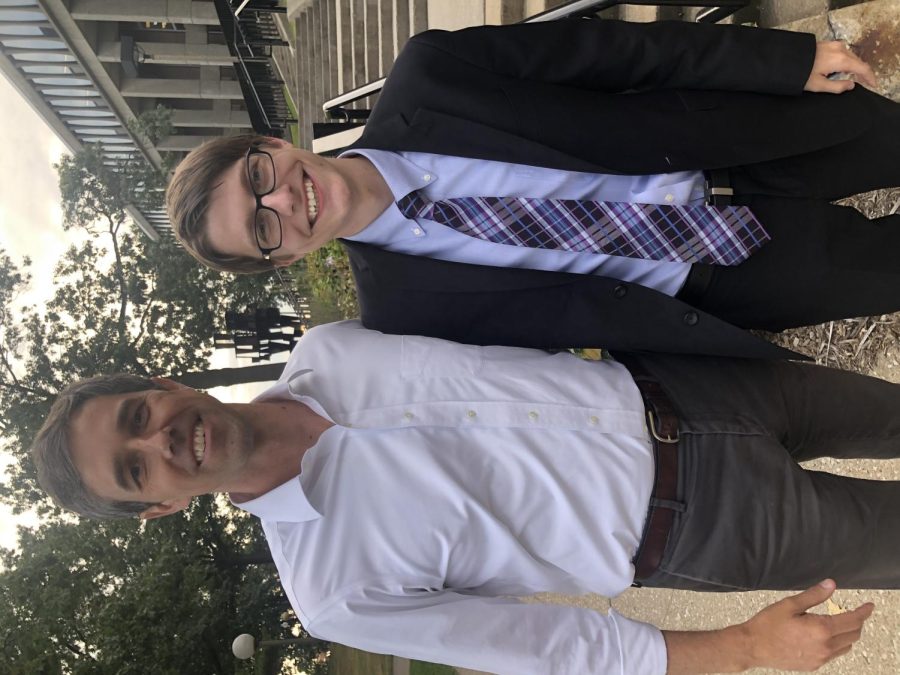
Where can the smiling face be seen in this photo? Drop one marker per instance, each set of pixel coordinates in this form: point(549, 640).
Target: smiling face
point(318, 199)
point(160, 446)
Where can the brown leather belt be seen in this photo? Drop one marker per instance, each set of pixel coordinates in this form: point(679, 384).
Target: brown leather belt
point(662, 423)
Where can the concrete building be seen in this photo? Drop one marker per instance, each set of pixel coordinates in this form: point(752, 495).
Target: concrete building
point(90, 66)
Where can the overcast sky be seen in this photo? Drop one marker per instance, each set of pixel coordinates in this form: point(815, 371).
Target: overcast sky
point(30, 215)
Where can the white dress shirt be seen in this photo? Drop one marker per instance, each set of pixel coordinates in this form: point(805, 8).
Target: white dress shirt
point(455, 478)
point(441, 176)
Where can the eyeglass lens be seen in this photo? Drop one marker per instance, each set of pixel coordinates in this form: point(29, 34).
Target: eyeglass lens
point(267, 226)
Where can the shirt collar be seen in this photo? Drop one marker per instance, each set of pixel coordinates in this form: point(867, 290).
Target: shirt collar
point(402, 177)
point(400, 173)
point(288, 501)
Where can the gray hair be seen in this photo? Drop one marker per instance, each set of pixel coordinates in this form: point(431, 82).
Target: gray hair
point(52, 453)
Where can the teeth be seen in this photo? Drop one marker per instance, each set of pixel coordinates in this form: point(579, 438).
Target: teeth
point(312, 204)
point(199, 442)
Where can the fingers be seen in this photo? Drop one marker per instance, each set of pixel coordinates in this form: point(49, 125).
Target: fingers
point(823, 85)
point(847, 629)
point(811, 596)
point(788, 637)
point(850, 621)
point(835, 57)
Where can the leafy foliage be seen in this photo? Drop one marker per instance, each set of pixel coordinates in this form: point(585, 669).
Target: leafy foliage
point(325, 275)
point(122, 302)
point(165, 597)
point(118, 597)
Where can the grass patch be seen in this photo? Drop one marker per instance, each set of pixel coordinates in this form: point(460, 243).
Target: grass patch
point(421, 668)
point(349, 661)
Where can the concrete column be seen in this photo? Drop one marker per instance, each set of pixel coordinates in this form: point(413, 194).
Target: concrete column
point(373, 53)
point(344, 41)
point(143, 87)
point(358, 23)
point(639, 13)
point(418, 9)
point(459, 14)
point(170, 53)
point(184, 142)
point(319, 60)
point(332, 40)
point(386, 34)
point(214, 119)
point(172, 11)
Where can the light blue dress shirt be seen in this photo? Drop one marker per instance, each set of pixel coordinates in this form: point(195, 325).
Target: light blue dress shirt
point(441, 176)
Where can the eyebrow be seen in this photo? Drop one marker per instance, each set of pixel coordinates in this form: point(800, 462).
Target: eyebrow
point(119, 473)
point(123, 415)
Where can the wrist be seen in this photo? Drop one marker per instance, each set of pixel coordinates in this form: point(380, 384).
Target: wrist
point(744, 647)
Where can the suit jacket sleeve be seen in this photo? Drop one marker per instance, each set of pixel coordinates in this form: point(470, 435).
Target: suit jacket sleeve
point(620, 56)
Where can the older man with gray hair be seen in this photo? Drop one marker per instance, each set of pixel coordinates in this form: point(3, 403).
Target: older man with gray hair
point(410, 487)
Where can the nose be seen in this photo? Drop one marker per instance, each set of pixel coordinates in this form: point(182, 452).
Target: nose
point(161, 442)
point(281, 200)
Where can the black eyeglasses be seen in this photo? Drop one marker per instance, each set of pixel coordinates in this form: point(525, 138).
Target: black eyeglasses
point(266, 221)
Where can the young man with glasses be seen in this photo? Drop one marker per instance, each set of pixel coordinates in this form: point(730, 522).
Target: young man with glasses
point(509, 191)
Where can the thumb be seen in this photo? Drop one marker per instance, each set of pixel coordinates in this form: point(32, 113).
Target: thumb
point(812, 596)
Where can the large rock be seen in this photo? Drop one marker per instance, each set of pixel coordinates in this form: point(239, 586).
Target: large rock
point(872, 29)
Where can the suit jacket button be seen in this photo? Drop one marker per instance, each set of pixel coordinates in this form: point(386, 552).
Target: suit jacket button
point(620, 291)
point(691, 318)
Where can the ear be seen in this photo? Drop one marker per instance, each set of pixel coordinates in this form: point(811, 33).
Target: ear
point(286, 261)
point(165, 508)
point(167, 384)
point(278, 142)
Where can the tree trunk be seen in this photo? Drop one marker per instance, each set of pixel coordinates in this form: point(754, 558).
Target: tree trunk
point(242, 560)
point(225, 377)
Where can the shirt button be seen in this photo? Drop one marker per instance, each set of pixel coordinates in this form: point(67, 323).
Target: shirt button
point(418, 231)
point(471, 414)
point(593, 419)
point(427, 176)
point(408, 415)
point(670, 198)
point(533, 416)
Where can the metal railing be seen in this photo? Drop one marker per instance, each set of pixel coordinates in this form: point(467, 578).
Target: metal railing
point(250, 33)
point(712, 11)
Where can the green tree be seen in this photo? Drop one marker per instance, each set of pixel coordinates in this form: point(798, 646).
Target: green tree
point(122, 301)
point(163, 597)
point(119, 597)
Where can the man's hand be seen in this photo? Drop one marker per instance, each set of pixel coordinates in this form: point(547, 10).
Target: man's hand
point(835, 57)
point(784, 636)
point(781, 636)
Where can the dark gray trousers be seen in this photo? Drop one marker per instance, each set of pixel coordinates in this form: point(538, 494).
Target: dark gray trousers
point(753, 518)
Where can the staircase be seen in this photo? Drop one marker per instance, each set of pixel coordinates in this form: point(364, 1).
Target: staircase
point(341, 44)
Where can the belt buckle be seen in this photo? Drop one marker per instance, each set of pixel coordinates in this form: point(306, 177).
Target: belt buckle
point(656, 434)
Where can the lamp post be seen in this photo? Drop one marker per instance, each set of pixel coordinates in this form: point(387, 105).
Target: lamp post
point(244, 645)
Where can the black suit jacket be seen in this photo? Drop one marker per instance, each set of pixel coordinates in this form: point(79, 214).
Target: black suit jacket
point(597, 96)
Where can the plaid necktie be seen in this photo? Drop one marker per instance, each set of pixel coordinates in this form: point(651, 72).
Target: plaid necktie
point(694, 234)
